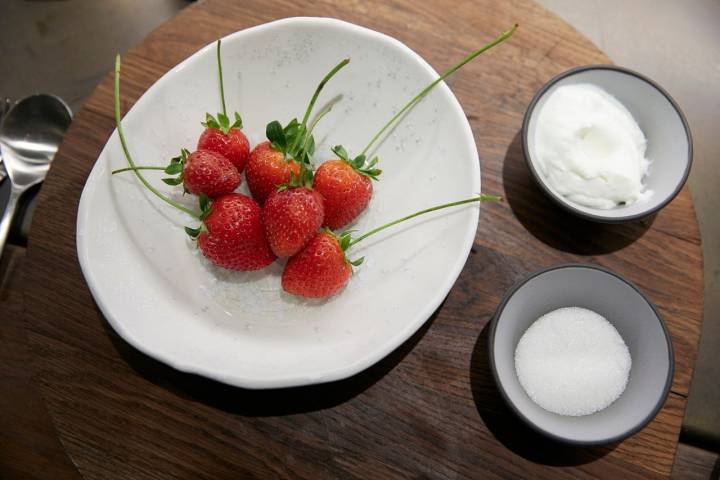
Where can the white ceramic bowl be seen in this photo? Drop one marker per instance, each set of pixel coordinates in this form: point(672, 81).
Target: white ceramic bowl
point(159, 293)
point(669, 143)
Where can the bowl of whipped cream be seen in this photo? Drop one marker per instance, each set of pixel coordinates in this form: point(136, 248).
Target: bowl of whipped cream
point(606, 143)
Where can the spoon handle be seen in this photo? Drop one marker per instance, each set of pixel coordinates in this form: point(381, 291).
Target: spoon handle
point(7, 217)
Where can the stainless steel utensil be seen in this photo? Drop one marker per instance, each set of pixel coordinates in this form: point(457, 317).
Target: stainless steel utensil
point(5, 105)
point(30, 134)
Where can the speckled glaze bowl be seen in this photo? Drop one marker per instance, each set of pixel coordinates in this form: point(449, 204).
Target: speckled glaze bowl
point(669, 142)
point(240, 328)
point(630, 312)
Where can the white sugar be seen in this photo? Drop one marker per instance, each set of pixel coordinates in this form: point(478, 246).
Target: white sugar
point(573, 362)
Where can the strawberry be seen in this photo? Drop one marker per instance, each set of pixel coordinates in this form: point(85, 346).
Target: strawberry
point(207, 172)
point(232, 234)
point(274, 162)
point(319, 270)
point(268, 168)
point(345, 187)
point(347, 195)
point(291, 217)
point(232, 145)
point(219, 135)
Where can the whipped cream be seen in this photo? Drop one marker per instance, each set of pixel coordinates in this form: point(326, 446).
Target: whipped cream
point(590, 149)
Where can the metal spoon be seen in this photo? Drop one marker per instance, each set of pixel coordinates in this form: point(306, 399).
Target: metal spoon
point(5, 104)
point(30, 134)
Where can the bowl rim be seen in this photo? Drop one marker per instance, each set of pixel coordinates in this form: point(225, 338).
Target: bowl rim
point(604, 441)
point(569, 206)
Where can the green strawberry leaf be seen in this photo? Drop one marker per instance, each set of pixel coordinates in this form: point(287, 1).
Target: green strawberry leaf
point(174, 168)
point(358, 162)
point(210, 122)
point(173, 181)
point(372, 174)
point(357, 263)
point(276, 135)
point(193, 232)
point(222, 122)
point(340, 151)
point(291, 130)
point(205, 206)
point(345, 240)
point(238, 121)
point(364, 168)
point(204, 202)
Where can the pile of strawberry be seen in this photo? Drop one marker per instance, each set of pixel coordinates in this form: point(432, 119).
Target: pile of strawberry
point(293, 209)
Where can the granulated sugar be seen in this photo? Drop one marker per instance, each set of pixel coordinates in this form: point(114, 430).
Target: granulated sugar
point(573, 362)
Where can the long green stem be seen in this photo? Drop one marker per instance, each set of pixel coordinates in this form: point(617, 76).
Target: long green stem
point(127, 152)
point(306, 144)
point(315, 96)
point(501, 38)
point(132, 169)
point(220, 76)
point(481, 197)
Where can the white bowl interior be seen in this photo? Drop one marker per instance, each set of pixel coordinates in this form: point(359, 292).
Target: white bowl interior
point(628, 311)
point(159, 293)
point(668, 143)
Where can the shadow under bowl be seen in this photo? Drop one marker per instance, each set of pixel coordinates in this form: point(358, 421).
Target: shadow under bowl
point(630, 312)
point(669, 142)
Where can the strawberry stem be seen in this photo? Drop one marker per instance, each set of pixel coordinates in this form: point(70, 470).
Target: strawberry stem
point(127, 152)
point(501, 38)
point(480, 198)
point(132, 169)
point(315, 96)
point(220, 75)
point(306, 143)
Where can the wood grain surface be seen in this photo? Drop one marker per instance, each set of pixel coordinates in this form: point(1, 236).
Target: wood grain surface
point(430, 409)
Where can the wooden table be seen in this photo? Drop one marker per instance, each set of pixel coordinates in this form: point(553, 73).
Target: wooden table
point(429, 409)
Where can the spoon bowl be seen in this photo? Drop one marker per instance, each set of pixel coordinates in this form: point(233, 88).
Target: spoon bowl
point(30, 134)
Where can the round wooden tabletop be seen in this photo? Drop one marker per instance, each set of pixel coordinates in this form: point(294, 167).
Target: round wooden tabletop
point(430, 408)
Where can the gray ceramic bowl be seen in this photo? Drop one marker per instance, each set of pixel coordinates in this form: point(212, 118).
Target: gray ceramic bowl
point(630, 312)
point(669, 143)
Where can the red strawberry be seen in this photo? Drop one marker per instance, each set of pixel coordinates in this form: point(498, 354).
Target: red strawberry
point(346, 191)
point(319, 270)
point(209, 173)
point(292, 216)
point(220, 135)
point(234, 237)
point(234, 145)
point(267, 169)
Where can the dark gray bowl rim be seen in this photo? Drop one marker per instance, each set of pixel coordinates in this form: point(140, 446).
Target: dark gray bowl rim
point(566, 205)
point(621, 436)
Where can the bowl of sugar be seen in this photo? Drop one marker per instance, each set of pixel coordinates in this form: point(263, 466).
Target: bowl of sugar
point(581, 355)
point(606, 143)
